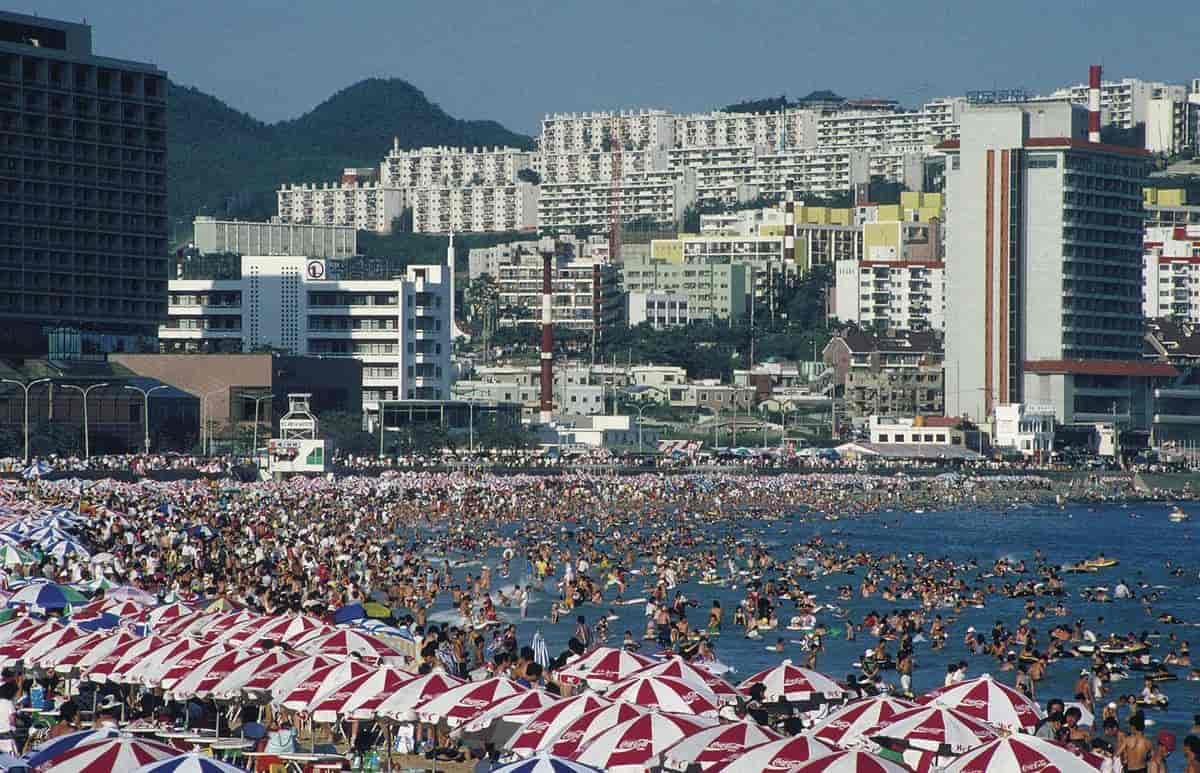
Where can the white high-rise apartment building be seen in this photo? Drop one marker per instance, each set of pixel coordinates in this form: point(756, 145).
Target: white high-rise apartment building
point(592, 132)
point(479, 208)
point(399, 327)
point(1171, 273)
point(1124, 103)
point(364, 206)
point(1044, 268)
point(447, 167)
point(894, 294)
point(660, 197)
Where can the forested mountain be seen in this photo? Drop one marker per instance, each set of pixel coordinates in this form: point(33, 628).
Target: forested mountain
point(225, 163)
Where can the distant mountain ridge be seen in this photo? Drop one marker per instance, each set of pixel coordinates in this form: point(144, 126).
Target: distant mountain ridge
point(226, 163)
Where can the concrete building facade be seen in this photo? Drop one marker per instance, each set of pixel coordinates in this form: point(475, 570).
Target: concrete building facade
point(398, 327)
point(714, 290)
point(1171, 273)
point(243, 237)
point(1043, 286)
point(83, 193)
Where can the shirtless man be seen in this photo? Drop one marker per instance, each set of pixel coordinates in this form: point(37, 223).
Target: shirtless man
point(1136, 749)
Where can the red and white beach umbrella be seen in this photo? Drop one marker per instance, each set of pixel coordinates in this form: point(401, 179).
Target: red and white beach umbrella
point(664, 693)
point(794, 683)
point(126, 610)
point(1024, 754)
point(231, 685)
point(852, 761)
point(348, 699)
point(37, 643)
point(633, 745)
point(346, 642)
point(81, 644)
point(176, 668)
point(185, 625)
point(19, 627)
point(414, 692)
point(201, 678)
point(282, 679)
point(513, 710)
point(84, 659)
point(541, 728)
point(679, 668)
point(590, 724)
point(148, 669)
point(288, 629)
point(459, 704)
point(320, 683)
point(226, 622)
point(114, 755)
point(782, 754)
point(935, 728)
point(844, 727)
point(167, 613)
point(123, 657)
point(603, 666)
point(985, 698)
point(715, 744)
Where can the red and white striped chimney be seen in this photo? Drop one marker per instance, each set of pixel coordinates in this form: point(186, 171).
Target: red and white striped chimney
point(1094, 103)
point(547, 363)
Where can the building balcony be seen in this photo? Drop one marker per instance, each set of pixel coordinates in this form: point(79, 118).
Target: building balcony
point(1177, 418)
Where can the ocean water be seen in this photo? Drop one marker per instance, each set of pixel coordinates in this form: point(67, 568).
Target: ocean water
point(1139, 536)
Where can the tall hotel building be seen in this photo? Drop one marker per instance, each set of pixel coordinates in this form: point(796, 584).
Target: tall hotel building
point(83, 194)
point(1044, 267)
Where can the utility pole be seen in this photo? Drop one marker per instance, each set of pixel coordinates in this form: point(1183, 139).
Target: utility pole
point(84, 391)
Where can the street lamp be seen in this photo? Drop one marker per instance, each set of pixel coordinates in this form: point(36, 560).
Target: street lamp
point(87, 447)
point(257, 400)
point(145, 393)
point(637, 391)
point(206, 420)
point(470, 416)
point(26, 387)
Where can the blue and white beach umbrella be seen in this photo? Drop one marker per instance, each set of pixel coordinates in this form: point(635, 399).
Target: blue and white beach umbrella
point(189, 763)
point(47, 751)
point(36, 470)
point(46, 595)
point(546, 763)
point(66, 547)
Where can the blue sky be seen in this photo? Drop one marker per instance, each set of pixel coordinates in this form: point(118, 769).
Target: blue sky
point(513, 60)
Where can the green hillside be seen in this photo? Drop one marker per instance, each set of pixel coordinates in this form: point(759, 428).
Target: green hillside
point(225, 163)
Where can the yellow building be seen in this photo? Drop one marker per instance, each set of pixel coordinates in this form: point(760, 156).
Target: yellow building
point(1164, 197)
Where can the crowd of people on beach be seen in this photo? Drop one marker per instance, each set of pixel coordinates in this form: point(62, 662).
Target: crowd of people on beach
point(455, 558)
